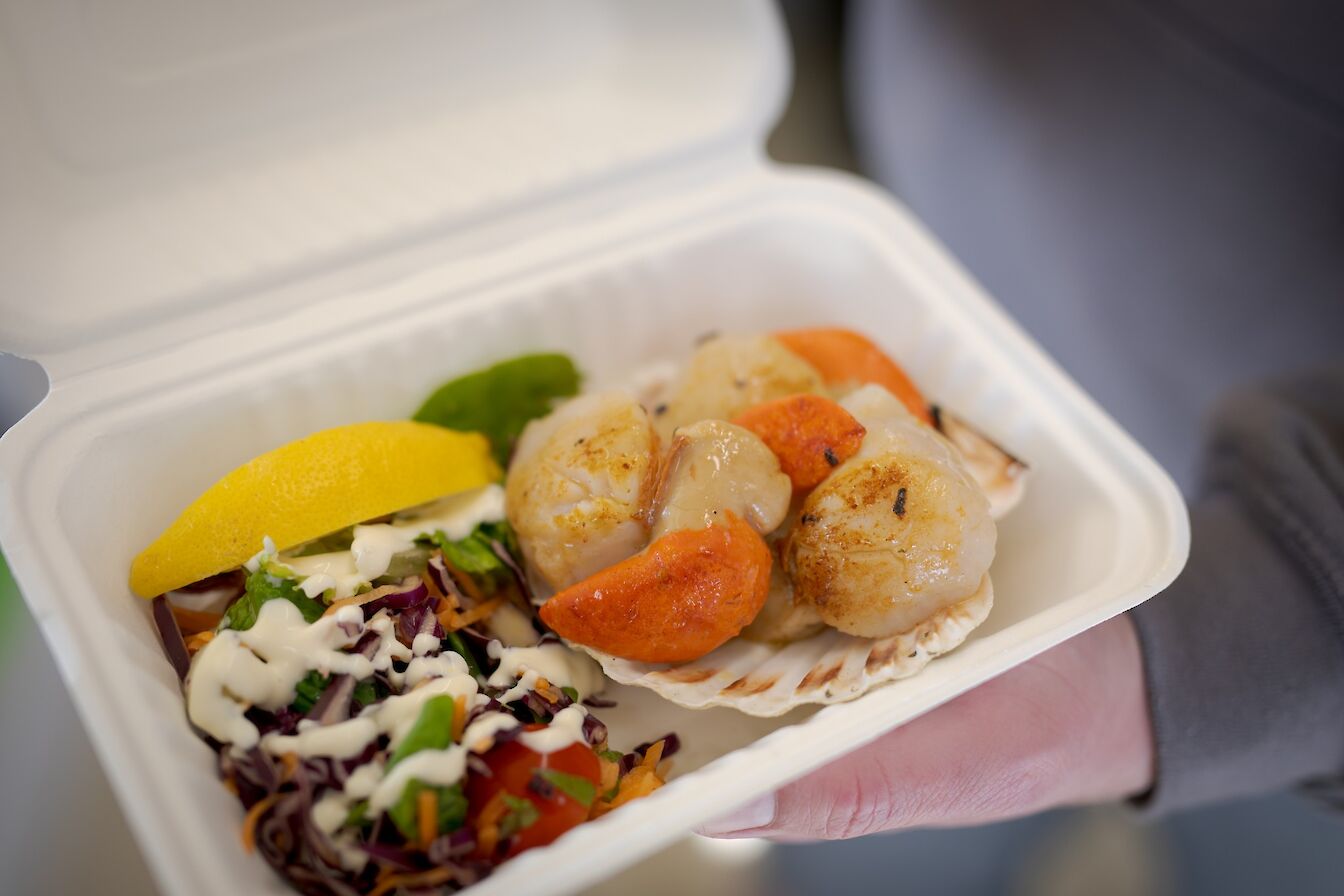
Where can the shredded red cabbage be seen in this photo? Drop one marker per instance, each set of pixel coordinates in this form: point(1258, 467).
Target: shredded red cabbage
point(367, 848)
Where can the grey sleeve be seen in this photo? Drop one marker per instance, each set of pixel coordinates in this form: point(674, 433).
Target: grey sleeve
point(1244, 653)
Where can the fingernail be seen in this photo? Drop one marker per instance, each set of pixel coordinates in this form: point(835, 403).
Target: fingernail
point(756, 814)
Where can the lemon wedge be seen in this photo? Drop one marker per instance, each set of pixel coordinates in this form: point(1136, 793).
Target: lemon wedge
point(308, 488)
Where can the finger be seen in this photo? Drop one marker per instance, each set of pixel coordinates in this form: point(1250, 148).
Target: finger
point(1043, 734)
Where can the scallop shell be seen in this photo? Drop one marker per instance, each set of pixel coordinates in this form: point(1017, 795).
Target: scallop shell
point(830, 667)
point(1002, 476)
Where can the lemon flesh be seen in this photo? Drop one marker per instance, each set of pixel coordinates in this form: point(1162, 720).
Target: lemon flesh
point(308, 488)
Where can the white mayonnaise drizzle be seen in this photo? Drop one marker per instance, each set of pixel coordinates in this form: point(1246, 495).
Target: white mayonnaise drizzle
point(345, 572)
point(479, 736)
point(566, 728)
point(555, 662)
point(434, 767)
point(329, 812)
point(512, 626)
point(423, 668)
point(424, 644)
point(262, 665)
point(342, 740)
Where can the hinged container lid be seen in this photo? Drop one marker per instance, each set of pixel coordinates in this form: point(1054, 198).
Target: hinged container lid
point(159, 159)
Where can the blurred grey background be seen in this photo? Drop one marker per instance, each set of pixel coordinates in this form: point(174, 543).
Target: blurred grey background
point(63, 833)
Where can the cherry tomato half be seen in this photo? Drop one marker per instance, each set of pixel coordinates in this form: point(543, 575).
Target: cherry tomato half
point(512, 766)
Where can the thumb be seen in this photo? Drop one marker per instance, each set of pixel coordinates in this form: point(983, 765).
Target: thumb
point(1068, 726)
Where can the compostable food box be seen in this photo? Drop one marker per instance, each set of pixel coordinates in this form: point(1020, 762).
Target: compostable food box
point(226, 226)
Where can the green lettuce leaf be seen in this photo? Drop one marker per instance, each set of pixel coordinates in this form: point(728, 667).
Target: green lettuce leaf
point(499, 400)
point(263, 585)
point(475, 556)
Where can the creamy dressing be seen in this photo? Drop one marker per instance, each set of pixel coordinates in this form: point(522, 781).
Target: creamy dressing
point(345, 573)
point(320, 573)
point(438, 768)
point(362, 781)
point(329, 812)
point(479, 736)
point(555, 662)
point(261, 666)
point(396, 715)
point(328, 815)
point(423, 668)
point(512, 626)
point(424, 643)
point(389, 648)
point(342, 740)
point(566, 729)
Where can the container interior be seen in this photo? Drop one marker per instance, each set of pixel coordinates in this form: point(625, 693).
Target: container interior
point(761, 272)
point(770, 265)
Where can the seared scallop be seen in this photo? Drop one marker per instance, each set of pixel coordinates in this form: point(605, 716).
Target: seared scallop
point(715, 466)
point(729, 374)
point(896, 533)
point(581, 485)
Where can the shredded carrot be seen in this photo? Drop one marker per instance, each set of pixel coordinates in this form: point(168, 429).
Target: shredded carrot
point(289, 763)
point(652, 756)
point(475, 614)
point(254, 814)
point(546, 690)
point(414, 880)
point(360, 600)
point(464, 581)
point(487, 824)
point(459, 716)
point(199, 640)
point(427, 814)
point(494, 810)
point(432, 585)
point(193, 622)
point(446, 613)
point(639, 782)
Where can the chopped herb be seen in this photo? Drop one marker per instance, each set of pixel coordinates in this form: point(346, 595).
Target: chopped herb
point(580, 790)
point(571, 693)
point(366, 692)
point(831, 459)
point(357, 815)
point(611, 755)
point(660, 409)
point(309, 690)
point(522, 814)
point(899, 507)
point(452, 803)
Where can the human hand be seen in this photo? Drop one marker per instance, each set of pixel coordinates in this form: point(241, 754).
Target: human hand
point(1070, 726)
